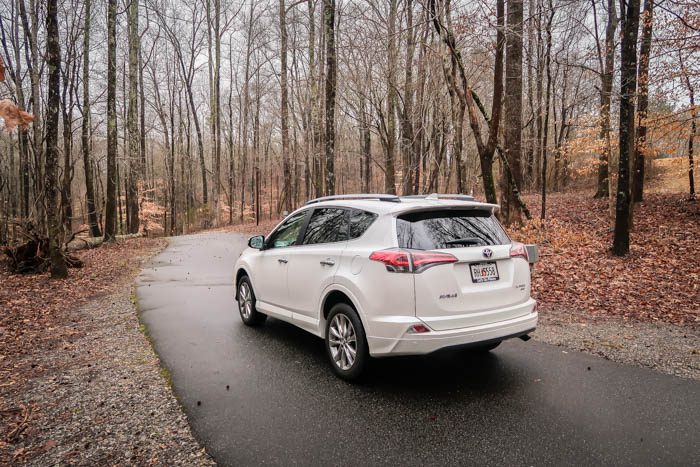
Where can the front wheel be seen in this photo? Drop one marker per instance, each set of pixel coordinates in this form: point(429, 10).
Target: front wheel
point(246, 304)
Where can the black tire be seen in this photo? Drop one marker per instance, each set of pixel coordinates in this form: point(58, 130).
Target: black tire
point(246, 303)
point(485, 348)
point(339, 346)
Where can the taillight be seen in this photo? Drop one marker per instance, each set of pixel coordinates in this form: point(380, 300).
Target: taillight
point(424, 260)
point(397, 260)
point(518, 250)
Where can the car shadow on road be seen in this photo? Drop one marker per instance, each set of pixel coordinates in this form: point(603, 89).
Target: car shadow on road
point(441, 373)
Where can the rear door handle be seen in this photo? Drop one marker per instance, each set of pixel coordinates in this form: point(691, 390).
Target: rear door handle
point(327, 262)
point(282, 261)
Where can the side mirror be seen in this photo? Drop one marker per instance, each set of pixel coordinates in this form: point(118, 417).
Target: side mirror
point(256, 242)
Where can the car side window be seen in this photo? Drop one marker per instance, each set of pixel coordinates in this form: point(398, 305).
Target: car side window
point(360, 222)
point(327, 225)
point(287, 233)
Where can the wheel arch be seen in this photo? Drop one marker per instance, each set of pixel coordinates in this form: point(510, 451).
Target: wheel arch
point(333, 295)
point(242, 271)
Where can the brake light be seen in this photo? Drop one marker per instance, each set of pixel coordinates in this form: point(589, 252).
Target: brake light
point(397, 260)
point(424, 260)
point(518, 250)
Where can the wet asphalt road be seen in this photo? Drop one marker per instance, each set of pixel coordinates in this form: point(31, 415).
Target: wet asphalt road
point(268, 396)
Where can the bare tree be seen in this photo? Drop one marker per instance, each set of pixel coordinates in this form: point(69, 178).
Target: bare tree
point(59, 268)
point(606, 61)
point(547, 96)
point(110, 227)
point(693, 125)
point(329, 21)
point(407, 133)
point(284, 110)
point(133, 145)
point(641, 147)
point(466, 93)
point(510, 209)
point(628, 89)
point(85, 128)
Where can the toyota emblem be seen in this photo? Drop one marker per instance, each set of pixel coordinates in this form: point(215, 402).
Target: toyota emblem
point(487, 252)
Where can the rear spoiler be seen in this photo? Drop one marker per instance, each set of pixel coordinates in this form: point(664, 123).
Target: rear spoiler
point(449, 204)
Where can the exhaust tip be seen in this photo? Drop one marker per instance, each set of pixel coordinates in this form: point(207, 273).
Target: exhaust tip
point(525, 337)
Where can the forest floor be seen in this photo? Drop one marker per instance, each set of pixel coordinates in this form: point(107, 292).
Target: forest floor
point(658, 281)
point(642, 309)
point(80, 383)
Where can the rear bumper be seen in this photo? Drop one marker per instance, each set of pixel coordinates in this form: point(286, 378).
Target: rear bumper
point(420, 344)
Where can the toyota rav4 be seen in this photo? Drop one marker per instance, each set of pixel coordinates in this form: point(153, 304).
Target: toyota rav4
point(382, 275)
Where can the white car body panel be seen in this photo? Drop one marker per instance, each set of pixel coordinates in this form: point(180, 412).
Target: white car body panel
point(390, 303)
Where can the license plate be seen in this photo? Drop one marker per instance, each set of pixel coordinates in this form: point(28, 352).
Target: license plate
point(484, 272)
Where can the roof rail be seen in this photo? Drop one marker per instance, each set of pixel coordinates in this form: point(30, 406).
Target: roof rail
point(457, 197)
point(359, 196)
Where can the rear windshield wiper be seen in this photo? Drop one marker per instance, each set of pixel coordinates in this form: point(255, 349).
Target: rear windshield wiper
point(465, 241)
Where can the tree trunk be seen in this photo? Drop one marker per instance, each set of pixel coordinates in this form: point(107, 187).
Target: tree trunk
point(641, 148)
point(693, 126)
point(628, 88)
point(85, 128)
point(329, 14)
point(510, 208)
point(366, 142)
point(545, 123)
point(59, 268)
point(419, 138)
point(246, 107)
point(31, 33)
point(389, 155)
point(284, 110)
point(539, 92)
point(216, 114)
point(69, 78)
point(22, 136)
point(133, 144)
point(110, 228)
point(607, 73)
point(407, 133)
point(530, 158)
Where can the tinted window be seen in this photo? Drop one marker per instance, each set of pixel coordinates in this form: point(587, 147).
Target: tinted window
point(359, 222)
point(449, 229)
point(327, 225)
point(288, 232)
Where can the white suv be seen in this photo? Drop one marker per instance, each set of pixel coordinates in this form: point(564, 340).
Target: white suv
point(381, 275)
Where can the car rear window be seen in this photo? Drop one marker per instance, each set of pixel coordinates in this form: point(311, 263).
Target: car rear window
point(440, 229)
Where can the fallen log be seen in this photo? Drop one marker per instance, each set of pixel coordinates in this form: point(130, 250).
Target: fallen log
point(32, 256)
point(83, 243)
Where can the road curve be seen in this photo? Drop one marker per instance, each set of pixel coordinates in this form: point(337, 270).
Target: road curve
point(267, 395)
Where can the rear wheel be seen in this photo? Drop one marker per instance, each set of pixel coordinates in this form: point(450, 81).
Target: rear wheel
point(246, 304)
point(346, 343)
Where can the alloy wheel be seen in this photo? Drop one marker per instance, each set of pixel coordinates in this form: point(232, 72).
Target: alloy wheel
point(245, 300)
point(342, 342)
